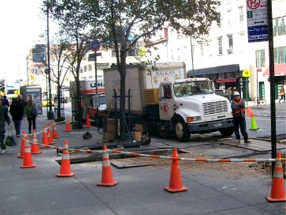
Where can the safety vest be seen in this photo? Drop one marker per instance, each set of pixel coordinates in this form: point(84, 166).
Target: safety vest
point(241, 110)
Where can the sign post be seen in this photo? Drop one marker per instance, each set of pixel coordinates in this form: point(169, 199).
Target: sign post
point(95, 45)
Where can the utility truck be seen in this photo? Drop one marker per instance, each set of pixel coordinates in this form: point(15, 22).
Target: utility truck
point(165, 101)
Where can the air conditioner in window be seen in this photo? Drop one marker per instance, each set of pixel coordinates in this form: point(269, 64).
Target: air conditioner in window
point(229, 51)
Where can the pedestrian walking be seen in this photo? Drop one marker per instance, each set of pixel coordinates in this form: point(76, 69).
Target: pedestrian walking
point(17, 113)
point(5, 101)
point(238, 111)
point(282, 94)
point(3, 117)
point(31, 114)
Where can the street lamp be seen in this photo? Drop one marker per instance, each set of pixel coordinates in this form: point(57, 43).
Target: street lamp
point(51, 115)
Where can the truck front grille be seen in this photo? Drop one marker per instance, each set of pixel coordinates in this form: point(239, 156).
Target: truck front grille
point(215, 107)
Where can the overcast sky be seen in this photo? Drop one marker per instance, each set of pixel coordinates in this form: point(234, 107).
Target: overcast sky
point(21, 24)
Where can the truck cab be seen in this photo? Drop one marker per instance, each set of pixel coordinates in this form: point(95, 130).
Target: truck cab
point(190, 106)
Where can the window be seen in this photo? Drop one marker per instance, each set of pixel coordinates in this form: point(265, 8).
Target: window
point(202, 49)
point(89, 67)
point(240, 13)
point(260, 58)
point(131, 52)
point(219, 46)
point(279, 26)
point(280, 55)
point(219, 21)
point(85, 68)
point(230, 44)
point(229, 17)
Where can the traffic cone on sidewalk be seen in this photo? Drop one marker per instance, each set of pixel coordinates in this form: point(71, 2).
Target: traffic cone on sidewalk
point(21, 154)
point(27, 161)
point(68, 126)
point(55, 132)
point(87, 123)
point(45, 141)
point(50, 138)
point(278, 186)
point(65, 162)
point(35, 144)
point(175, 184)
point(106, 175)
point(250, 113)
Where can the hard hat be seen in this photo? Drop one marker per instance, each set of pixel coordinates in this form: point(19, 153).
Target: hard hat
point(236, 93)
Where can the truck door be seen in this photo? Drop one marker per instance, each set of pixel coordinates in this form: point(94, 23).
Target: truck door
point(166, 102)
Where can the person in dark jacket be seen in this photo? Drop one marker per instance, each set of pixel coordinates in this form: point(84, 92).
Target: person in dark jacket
point(31, 113)
point(5, 101)
point(238, 111)
point(17, 113)
point(3, 117)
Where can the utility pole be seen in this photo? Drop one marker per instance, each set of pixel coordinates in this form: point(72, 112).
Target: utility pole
point(50, 113)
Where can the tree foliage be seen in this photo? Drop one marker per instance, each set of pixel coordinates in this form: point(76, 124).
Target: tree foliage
point(121, 24)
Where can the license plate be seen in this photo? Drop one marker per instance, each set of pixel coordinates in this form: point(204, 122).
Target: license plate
point(219, 124)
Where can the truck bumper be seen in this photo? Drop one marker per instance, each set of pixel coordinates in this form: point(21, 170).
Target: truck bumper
point(209, 126)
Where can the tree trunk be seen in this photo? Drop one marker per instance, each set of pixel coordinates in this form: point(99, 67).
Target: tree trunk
point(59, 101)
point(78, 105)
point(122, 71)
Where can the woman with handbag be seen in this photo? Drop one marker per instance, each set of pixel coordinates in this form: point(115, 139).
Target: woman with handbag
point(31, 113)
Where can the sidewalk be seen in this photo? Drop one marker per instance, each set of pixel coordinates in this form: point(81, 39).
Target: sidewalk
point(38, 191)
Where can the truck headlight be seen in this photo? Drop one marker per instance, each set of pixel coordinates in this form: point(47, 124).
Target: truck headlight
point(194, 118)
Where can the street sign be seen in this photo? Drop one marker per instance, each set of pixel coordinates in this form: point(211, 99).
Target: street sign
point(91, 57)
point(246, 73)
point(95, 45)
point(257, 20)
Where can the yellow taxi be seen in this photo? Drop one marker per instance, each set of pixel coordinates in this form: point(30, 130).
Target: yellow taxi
point(46, 103)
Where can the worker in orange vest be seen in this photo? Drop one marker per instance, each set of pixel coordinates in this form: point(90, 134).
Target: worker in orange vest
point(238, 111)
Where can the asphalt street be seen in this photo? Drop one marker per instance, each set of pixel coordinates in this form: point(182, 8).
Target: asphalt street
point(211, 190)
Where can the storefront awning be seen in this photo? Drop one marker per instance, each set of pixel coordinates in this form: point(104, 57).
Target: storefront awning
point(215, 70)
point(231, 80)
point(279, 70)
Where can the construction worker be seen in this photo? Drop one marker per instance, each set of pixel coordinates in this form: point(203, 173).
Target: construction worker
point(238, 111)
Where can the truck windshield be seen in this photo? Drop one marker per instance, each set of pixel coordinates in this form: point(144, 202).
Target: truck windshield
point(192, 88)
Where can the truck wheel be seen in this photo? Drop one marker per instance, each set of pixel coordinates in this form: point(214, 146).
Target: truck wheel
point(227, 131)
point(181, 130)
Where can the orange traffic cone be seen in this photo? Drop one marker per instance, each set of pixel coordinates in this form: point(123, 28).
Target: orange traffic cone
point(68, 126)
point(50, 138)
point(65, 163)
point(45, 141)
point(35, 145)
point(106, 176)
point(278, 186)
point(27, 161)
point(87, 124)
point(55, 132)
point(175, 184)
point(21, 154)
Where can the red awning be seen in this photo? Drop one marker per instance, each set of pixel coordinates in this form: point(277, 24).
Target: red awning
point(279, 70)
point(233, 80)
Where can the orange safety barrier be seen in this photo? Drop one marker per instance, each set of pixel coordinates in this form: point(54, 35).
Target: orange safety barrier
point(45, 141)
point(175, 184)
point(68, 126)
point(21, 154)
point(28, 160)
point(35, 144)
point(65, 170)
point(278, 186)
point(106, 176)
point(55, 132)
point(87, 123)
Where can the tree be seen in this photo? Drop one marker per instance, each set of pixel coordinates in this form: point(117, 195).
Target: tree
point(71, 16)
point(122, 23)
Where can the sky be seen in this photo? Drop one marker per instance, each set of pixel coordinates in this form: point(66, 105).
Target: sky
point(21, 23)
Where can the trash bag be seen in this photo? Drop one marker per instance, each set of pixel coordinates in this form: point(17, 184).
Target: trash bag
point(11, 141)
